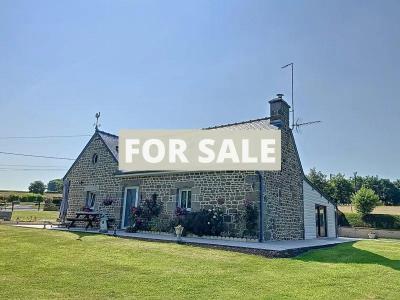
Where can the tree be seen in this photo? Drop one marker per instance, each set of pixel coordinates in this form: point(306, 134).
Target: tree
point(318, 179)
point(389, 194)
point(340, 189)
point(365, 200)
point(371, 182)
point(387, 191)
point(37, 187)
point(55, 185)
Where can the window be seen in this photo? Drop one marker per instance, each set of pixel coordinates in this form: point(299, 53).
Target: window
point(95, 158)
point(185, 199)
point(320, 220)
point(90, 200)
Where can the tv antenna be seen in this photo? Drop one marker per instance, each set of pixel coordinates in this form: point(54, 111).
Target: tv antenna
point(292, 111)
point(297, 126)
point(97, 125)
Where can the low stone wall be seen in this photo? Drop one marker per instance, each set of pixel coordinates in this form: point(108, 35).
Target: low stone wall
point(358, 232)
point(5, 215)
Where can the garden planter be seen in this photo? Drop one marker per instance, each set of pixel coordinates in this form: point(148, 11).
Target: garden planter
point(178, 232)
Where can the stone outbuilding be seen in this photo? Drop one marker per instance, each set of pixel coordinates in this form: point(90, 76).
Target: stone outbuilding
point(289, 207)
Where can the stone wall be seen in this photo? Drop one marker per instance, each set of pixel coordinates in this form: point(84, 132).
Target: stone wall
point(99, 178)
point(226, 190)
point(358, 232)
point(284, 195)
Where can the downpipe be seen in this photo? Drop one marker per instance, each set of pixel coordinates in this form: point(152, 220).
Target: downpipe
point(261, 206)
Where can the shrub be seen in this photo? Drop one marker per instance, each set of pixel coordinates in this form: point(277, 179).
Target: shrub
point(204, 222)
point(49, 206)
point(250, 219)
point(57, 201)
point(137, 221)
point(14, 198)
point(379, 221)
point(365, 200)
point(31, 198)
point(151, 208)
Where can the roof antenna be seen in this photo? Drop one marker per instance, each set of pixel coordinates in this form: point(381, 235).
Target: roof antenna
point(97, 125)
point(292, 66)
point(299, 124)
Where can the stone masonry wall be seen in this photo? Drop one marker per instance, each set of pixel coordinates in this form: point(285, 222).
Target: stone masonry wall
point(98, 178)
point(284, 195)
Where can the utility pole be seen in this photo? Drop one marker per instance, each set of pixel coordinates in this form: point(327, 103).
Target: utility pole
point(292, 66)
point(355, 187)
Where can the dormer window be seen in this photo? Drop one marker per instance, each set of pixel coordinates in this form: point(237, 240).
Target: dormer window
point(95, 158)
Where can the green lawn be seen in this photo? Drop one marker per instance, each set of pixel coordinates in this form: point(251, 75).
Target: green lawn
point(34, 215)
point(37, 263)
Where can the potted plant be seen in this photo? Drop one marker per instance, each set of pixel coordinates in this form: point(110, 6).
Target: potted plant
point(372, 235)
point(178, 232)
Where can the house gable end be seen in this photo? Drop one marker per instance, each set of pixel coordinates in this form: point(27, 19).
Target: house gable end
point(96, 134)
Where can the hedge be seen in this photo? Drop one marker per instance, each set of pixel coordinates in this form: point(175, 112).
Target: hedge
point(379, 221)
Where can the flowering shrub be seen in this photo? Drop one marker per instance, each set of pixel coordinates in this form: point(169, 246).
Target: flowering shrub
point(151, 207)
point(108, 201)
point(137, 221)
point(204, 222)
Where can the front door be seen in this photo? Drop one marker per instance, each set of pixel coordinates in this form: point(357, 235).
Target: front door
point(320, 220)
point(130, 201)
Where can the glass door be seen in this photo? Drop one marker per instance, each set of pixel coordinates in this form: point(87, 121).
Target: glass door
point(130, 201)
point(320, 220)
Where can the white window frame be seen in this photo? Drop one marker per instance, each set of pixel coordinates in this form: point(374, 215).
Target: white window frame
point(91, 194)
point(180, 199)
point(124, 204)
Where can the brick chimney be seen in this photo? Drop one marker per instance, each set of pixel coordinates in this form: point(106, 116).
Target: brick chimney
point(279, 112)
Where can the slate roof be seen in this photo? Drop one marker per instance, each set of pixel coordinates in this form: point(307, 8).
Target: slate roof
point(111, 140)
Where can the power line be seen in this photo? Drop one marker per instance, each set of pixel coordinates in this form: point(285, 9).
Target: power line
point(33, 166)
point(43, 136)
point(14, 169)
point(32, 155)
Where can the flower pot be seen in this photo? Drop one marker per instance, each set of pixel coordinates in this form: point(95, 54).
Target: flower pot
point(178, 232)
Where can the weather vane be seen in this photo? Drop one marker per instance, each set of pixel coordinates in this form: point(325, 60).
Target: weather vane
point(97, 125)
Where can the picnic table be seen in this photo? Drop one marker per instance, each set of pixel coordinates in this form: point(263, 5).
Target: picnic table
point(88, 217)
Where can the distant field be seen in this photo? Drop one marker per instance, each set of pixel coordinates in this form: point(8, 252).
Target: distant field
point(388, 210)
point(7, 193)
point(33, 216)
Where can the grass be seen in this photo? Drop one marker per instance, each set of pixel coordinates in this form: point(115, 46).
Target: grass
point(34, 215)
point(386, 210)
point(46, 264)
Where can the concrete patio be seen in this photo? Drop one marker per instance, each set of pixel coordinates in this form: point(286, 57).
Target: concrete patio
point(288, 248)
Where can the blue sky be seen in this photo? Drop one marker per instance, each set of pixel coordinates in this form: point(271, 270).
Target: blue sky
point(192, 64)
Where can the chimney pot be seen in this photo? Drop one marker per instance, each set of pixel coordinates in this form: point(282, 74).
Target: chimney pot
point(279, 112)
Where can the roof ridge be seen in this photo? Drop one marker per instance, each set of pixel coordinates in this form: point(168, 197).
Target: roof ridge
point(236, 123)
point(107, 133)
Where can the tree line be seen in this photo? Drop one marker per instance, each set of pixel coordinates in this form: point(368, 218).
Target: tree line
point(340, 189)
point(39, 187)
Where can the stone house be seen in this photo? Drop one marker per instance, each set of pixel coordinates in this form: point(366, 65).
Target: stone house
point(289, 207)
